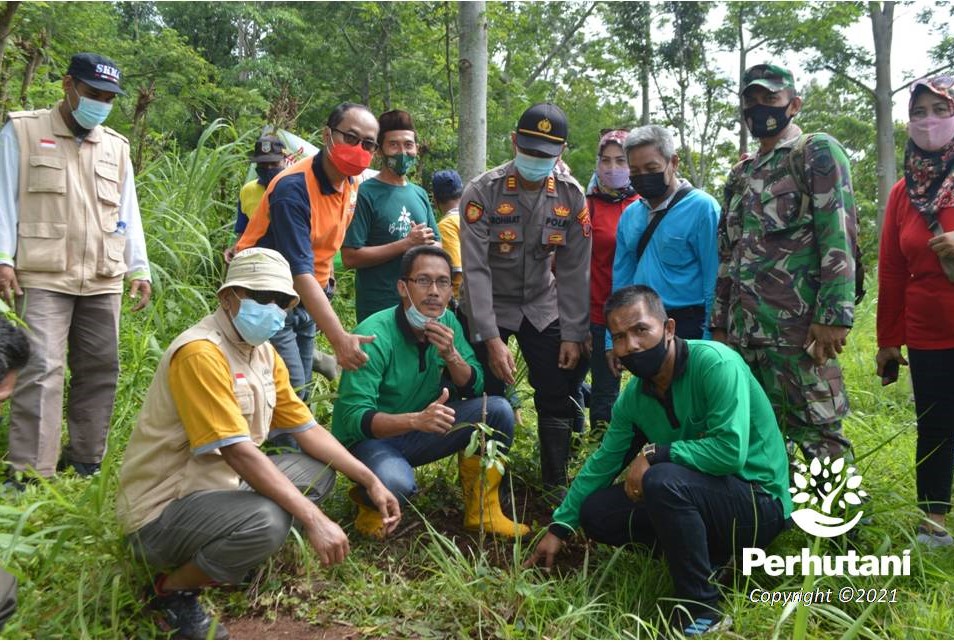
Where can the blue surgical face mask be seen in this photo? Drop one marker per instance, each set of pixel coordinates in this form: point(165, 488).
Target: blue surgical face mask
point(534, 168)
point(257, 323)
point(416, 318)
point(90, 113)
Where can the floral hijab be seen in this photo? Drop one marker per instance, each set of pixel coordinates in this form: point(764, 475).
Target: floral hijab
point(928, 176)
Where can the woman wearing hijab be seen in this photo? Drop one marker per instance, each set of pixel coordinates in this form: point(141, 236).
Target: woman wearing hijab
point(608, 195)
point(916, 294)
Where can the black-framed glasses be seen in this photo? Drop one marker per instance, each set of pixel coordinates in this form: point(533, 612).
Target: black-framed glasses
point(443, 283)
point(368, 144)
point(265, 297)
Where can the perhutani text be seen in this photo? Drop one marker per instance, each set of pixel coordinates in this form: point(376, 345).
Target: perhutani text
point(848, 564)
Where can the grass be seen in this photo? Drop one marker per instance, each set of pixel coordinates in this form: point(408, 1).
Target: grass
point(78, 580)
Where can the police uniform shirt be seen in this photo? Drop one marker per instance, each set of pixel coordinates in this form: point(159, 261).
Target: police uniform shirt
point(509, 238)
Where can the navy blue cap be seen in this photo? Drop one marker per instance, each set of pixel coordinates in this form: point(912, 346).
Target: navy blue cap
point(96, 71)
point(446, 185)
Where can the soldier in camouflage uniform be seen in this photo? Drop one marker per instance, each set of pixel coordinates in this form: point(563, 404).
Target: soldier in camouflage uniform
point(786, 284)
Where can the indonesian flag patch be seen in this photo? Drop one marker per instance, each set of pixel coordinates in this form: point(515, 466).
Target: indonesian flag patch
point(48, 143)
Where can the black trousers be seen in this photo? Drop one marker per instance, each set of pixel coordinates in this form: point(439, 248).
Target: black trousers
point(690, 321)
point(932, 374)
point(697, 521)
point(553, 388)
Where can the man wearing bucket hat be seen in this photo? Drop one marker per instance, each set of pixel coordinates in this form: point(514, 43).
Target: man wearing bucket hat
point(70, 232)
point(785, 290)
point(525, 244)
point(196, 495)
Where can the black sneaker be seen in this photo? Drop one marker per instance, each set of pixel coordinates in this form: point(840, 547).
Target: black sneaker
point(181, 613)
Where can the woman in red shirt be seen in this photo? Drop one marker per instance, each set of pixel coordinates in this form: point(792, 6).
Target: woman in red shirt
point(608, 195)
point(916, 294)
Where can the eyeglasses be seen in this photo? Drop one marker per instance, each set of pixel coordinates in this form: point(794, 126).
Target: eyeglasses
point(368, 144)
point(265, 297)
point(443, 283)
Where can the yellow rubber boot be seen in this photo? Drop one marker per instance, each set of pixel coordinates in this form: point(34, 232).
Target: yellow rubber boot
point(494, 520)
point(369, 522)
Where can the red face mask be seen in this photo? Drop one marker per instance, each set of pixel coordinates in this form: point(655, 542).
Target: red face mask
point(350, 160)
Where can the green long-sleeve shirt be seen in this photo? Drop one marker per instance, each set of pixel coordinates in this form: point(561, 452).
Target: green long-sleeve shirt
point(721, 423)
point(401, 375)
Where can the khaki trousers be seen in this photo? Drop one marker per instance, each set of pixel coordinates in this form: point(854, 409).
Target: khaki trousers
point(83, 333)
point(227, 533)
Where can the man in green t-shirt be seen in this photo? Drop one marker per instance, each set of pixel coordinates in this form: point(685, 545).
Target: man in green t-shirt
point(395, 412)
point(392, 216)
point(708, 471)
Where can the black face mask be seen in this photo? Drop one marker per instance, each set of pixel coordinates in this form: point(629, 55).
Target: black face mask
point(266, 174)
point(646, 364)
point(766, 120)
point(650, 186)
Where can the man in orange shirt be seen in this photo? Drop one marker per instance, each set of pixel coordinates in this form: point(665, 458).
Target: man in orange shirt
point(303, 215)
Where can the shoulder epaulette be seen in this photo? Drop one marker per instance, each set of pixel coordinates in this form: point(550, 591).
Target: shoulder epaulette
point(28, 113)
point(110, 130)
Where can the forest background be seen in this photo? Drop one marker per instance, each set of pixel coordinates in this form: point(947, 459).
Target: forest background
point(203, 78)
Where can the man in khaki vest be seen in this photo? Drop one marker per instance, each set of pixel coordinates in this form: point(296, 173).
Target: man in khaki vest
point(69, 233)
point(196, 495)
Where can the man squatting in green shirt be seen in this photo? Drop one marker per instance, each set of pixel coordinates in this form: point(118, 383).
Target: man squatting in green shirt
point(395, 412)
point(708, 471)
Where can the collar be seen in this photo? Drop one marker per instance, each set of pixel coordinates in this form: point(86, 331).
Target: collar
point(324, 183)
point(788, 139)
point(404, 325)
point(512, 184)
point(679, 367)
point(665, 204)
point(228, 331)
point(60, 128)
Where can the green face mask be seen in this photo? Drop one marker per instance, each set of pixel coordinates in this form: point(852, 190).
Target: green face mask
point(401, 163)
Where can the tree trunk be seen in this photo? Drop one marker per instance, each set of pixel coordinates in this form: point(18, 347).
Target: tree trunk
point(6, 18)
point(743, 128)
point(882, 15)
point(35, 51)
point(644, 72)
point(472, 133)
point(447, 64)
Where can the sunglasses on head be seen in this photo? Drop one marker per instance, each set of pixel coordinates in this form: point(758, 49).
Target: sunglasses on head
point(941, 83)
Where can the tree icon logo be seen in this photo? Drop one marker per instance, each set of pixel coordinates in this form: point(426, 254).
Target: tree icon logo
point(820, 488)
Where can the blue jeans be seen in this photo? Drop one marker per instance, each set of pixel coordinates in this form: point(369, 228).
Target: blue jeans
point(697, 520)
point(393, 459)
point(296, 344)
point(605, 387)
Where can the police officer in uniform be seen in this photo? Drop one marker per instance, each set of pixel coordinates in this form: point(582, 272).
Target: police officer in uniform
point(525, 244)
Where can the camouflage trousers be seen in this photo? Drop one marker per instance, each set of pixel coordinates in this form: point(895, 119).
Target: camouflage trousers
point(809, 400)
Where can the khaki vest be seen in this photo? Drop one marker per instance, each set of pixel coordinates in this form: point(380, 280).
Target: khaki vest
point(69, 198)
point(159, 466)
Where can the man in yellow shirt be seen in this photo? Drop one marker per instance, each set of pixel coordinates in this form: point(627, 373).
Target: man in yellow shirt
point(196, 495)
point(447, 188)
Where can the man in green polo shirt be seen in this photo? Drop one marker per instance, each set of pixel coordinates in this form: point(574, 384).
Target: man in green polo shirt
point(395, 413)
point(391, 216)
point(708, 471)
